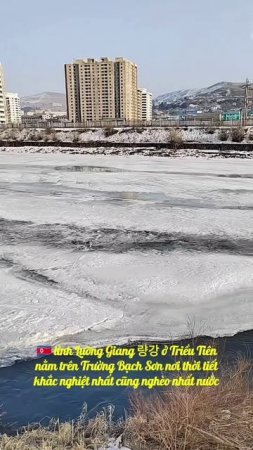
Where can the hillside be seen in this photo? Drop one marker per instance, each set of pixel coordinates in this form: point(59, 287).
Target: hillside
point(221, 96)
point(54, 101)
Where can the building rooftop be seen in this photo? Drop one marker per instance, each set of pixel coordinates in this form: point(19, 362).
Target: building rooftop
point(102, 59)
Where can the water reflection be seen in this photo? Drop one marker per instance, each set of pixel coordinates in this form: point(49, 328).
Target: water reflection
point(87, 169)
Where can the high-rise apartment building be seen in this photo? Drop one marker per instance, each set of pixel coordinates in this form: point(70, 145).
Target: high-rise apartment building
point(13, 109)
point(2, 98)
point(126, 79)
point(101, 90)
point(145, 105)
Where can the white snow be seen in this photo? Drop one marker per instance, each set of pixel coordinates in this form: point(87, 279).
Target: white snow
point(120, 285)
point(222, 86)
point(123, 135)
point(115, 445)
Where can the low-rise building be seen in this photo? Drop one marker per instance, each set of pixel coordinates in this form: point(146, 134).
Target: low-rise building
point(31, 120)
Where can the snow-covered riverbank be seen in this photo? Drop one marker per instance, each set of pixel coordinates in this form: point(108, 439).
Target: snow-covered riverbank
point(130, 135)
point(127, 151)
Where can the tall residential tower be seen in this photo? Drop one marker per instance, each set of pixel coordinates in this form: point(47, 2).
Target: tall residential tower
point(2, 98)
point(145, 105)
point(13, 109)
point(101, 90)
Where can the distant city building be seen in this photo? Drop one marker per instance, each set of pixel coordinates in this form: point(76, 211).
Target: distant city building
point(2, 98)
point(101, 90)
point(13, 108)
point(145, 105)
point(51, 115)
point(31, 119)
point(38, 117)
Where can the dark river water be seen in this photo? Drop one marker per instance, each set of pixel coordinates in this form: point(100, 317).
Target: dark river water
point(22, 403)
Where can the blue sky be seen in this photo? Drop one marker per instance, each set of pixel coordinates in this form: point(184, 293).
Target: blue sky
point(176, 44)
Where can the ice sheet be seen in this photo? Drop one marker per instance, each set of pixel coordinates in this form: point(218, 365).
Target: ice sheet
point(106, 249)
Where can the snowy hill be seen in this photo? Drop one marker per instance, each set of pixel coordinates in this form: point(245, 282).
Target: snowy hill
point(175, 95)
point(46, 100)
point(224, 95)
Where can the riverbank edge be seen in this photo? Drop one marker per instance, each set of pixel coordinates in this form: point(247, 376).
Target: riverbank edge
point(186, 145)
point(193, 418)
point(134, 341)
point(119, 150)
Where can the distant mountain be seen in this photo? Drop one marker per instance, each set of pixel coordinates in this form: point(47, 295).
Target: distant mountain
point(220, 96)
point(53, 101)
point(175, 96)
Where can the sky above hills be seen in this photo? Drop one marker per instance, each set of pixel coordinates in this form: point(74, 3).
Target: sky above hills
point(176, 44)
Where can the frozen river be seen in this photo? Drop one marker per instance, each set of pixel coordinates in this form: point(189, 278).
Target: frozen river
point(104, 249)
